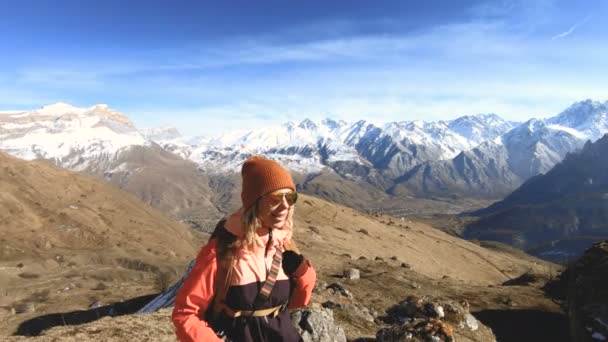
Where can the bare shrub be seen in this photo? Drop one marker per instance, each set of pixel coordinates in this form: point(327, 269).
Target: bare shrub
point(28, 275)
point(163, 280)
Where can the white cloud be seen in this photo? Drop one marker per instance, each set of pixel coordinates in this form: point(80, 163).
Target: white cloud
point(571, 29)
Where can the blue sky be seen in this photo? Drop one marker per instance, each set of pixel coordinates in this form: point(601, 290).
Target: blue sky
point(206, 66)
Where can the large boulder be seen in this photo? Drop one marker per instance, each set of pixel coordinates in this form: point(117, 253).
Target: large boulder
point(587, 295)
point(317, 325)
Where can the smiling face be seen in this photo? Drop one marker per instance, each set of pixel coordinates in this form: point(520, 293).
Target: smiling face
point(274, 207)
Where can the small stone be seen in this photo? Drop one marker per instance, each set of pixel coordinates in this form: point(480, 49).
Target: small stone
point(352, 273)
point(415, 285)
point(439, 311)
point(508, 301)
point(471, 322)
point(379, 258)
point(331, 305)
point(320, 286)
point(394, 258)
point(339, 289)
point(95, 305)
point(405, 265)
point(363, 231)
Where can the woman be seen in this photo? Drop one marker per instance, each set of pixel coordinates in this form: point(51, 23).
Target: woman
point(243, 280)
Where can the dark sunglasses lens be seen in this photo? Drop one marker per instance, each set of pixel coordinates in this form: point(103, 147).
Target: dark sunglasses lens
point(291, 198)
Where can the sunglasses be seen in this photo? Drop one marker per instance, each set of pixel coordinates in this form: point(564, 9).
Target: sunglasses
point(275, 198)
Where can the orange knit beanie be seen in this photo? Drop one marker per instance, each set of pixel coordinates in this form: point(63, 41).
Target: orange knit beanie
point(261, 176)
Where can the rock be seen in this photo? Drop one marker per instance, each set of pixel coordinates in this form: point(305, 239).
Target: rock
point(586, 301)
point(358, 313)
point(509, 301)
point(405, 265)
point(439, 311)
point(352, 273)
point(320, 286)
point(363, 231)
point(471, 322)
point(317, 325)
point(331, 305)
point(95, 305)
point(339, 289)
point(379, 258)
point(418, 330)
point(427, 319)
point(406, 309)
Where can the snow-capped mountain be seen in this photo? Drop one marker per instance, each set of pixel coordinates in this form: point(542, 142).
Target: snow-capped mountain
point(481, 127)
point(556, 214)
point(475, 155)
point(160, 133)
point(67, 135)
point(498, 166)
point(535, 147)
point(309, 146)
point(589, 118)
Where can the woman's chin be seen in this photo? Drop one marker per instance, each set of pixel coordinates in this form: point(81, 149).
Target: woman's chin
point(277, 224)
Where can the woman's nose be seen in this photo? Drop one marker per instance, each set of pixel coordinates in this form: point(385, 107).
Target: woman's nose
point(284, 204)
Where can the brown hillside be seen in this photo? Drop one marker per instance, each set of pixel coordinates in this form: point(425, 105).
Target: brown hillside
point(69, 240)
point(397, 258)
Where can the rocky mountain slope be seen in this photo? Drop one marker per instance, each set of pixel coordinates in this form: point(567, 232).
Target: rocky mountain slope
point(556, 215)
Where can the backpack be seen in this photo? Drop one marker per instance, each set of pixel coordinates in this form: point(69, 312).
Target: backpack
point(226, 244)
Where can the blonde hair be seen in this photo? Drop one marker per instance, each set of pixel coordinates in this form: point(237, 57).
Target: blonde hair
point(251, 221)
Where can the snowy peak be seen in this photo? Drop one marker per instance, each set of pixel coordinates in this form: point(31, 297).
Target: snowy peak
point(307, 124)
point(333, 124)
point(160, 134)
point(67, 134)
point(66, 115)
point(58, 109)
point(588, 117)
point(480, 127)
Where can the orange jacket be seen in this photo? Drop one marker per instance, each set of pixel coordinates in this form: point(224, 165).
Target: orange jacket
point(249, 272)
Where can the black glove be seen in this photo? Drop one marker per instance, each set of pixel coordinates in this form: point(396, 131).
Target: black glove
point(291, 262)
